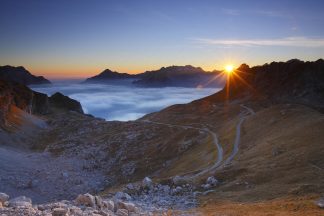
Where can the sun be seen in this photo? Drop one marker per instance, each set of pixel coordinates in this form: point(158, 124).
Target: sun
point(229, 69)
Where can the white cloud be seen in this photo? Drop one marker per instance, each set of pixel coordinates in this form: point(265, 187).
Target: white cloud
point(288, 41)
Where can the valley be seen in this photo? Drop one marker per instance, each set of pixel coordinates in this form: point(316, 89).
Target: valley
point(230, 153)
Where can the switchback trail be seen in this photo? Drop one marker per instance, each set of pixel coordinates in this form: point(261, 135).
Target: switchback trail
point(236, 144)
point(220, 153)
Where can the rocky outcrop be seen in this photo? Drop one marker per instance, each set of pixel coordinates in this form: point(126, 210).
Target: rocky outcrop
point(61, 101)
point(15, 94)
point(21, 75)
point(291, 81)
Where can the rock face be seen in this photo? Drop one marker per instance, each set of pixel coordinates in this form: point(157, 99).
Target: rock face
point(14, 94)
point(186, 76)
point(21, 75)
point(291, 81)
point(108, 75)
point(64, 102)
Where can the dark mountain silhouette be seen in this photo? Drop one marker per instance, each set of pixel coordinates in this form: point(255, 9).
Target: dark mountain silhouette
point(186, 76)
point(294, 80)
point(64, 102)
point(182, 76)
point(21, 75)
point(108, 75)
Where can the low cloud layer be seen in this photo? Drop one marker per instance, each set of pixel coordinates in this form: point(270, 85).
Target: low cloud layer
point(123, 103)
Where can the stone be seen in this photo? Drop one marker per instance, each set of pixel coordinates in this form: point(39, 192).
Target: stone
point(122, 212)
point(86, 200)
point(177, 180)
point(206, 186)
point(109, 204)
point(106, 213)
point(59, 212)
point(212, 181)
point(122, 196)
point(3, 198)
point(75, 211)
point(130, 186)
point(320, 202)
point(20, 201)
point(98, 200)
point(128, 206)
point(147, 183)
point(177, 190)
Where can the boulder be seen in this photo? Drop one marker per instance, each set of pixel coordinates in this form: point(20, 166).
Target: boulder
point(130, 207)
point(122, 196)
point(108, 204)
point(98, 200)
point(106, 213)
point(176, 190)
point(86, 200)
point(177, 180)
point(206, 186)
point(75, 211)
point(147, 183)
point(212, 181)
point(20, 201)
point(320, 202)
point(3, 198)
point(60, 212)
point(122, 212)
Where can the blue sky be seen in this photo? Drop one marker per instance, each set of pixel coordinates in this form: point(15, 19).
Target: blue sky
point(73, 38)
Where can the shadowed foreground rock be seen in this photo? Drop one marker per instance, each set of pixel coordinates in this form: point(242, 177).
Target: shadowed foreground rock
point(85, 204)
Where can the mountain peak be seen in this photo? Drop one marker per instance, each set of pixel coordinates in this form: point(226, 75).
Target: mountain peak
point(21, 75)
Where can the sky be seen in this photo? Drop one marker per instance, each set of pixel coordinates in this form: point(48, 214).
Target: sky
point(81, 38)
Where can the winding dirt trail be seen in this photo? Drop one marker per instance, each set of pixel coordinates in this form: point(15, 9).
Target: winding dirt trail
point(219, 162)
point(220, 152)
point(238, 133)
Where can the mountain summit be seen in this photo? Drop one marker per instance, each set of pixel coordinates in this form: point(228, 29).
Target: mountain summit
point(21, 75)
point(108, 75)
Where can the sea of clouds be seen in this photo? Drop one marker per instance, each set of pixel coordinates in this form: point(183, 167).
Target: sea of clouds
point(124, 102)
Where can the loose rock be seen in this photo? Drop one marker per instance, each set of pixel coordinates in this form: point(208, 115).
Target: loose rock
point(86, 200)
point(60, 212)
point(320, 202)
point(3, 198)
point(21, 201)
point(122, 212)
point(147, 183)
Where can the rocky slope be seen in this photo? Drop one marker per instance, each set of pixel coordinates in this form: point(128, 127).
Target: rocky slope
point(21, 75)
point(219, 154)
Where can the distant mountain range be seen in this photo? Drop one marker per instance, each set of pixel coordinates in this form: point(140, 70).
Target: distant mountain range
point(184, 76)
point(108, 75)
point(21, 75)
